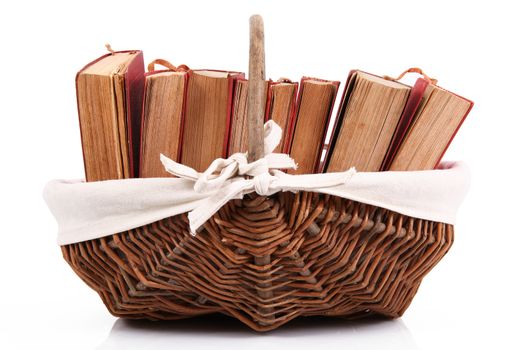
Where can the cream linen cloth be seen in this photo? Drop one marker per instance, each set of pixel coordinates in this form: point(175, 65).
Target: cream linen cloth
point(89, 210)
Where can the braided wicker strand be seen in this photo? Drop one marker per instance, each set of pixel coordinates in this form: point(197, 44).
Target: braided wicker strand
point(359, 260)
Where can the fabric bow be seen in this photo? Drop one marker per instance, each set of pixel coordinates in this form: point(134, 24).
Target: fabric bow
point(231, 178)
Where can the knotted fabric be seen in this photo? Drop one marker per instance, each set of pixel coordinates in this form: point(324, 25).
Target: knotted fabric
point(89, 210)
point(261, 172)
point(230, 178)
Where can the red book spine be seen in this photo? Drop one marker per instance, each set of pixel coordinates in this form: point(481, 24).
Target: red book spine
point(182, 124)
point(134, 92)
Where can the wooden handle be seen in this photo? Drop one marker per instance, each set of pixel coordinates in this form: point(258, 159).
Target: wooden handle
point(255, 112)
point(256, 91)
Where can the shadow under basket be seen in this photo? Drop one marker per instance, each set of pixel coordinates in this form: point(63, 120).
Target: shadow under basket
point(265, 261)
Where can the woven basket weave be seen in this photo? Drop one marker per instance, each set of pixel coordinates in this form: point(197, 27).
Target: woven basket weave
point(265, 261)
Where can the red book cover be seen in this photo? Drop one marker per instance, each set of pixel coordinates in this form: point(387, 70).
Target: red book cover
point(134, 92)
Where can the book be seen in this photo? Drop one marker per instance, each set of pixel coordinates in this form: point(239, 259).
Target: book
point(239, 138)
point(207, 121)
point(413, 102)
point(162, 120)
point(314, 106)
point(369, 112)
point(109, 97)
point(434, 125)
point(281, 107)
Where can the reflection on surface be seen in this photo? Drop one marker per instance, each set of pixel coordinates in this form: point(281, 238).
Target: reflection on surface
point(222, 332)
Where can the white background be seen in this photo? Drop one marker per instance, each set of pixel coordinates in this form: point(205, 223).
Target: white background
point(465, 302)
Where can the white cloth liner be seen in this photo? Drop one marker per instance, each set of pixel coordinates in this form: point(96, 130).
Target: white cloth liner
point(89, 210)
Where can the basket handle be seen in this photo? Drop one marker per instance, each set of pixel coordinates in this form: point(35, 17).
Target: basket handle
point(255, 113)
point(256, 89)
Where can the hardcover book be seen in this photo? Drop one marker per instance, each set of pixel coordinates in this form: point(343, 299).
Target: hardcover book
point(281, 108)
point(370, 110)
point(315, 103)
point(207, 121)
point(109, 97)
point(164, 111)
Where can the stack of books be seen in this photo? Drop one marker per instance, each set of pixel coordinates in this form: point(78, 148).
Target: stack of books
point(129, 116)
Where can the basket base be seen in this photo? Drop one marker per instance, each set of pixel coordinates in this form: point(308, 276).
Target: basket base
point(266, 261)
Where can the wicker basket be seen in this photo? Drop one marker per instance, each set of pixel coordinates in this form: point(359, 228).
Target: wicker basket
point(324, 255)
point(265, 260)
